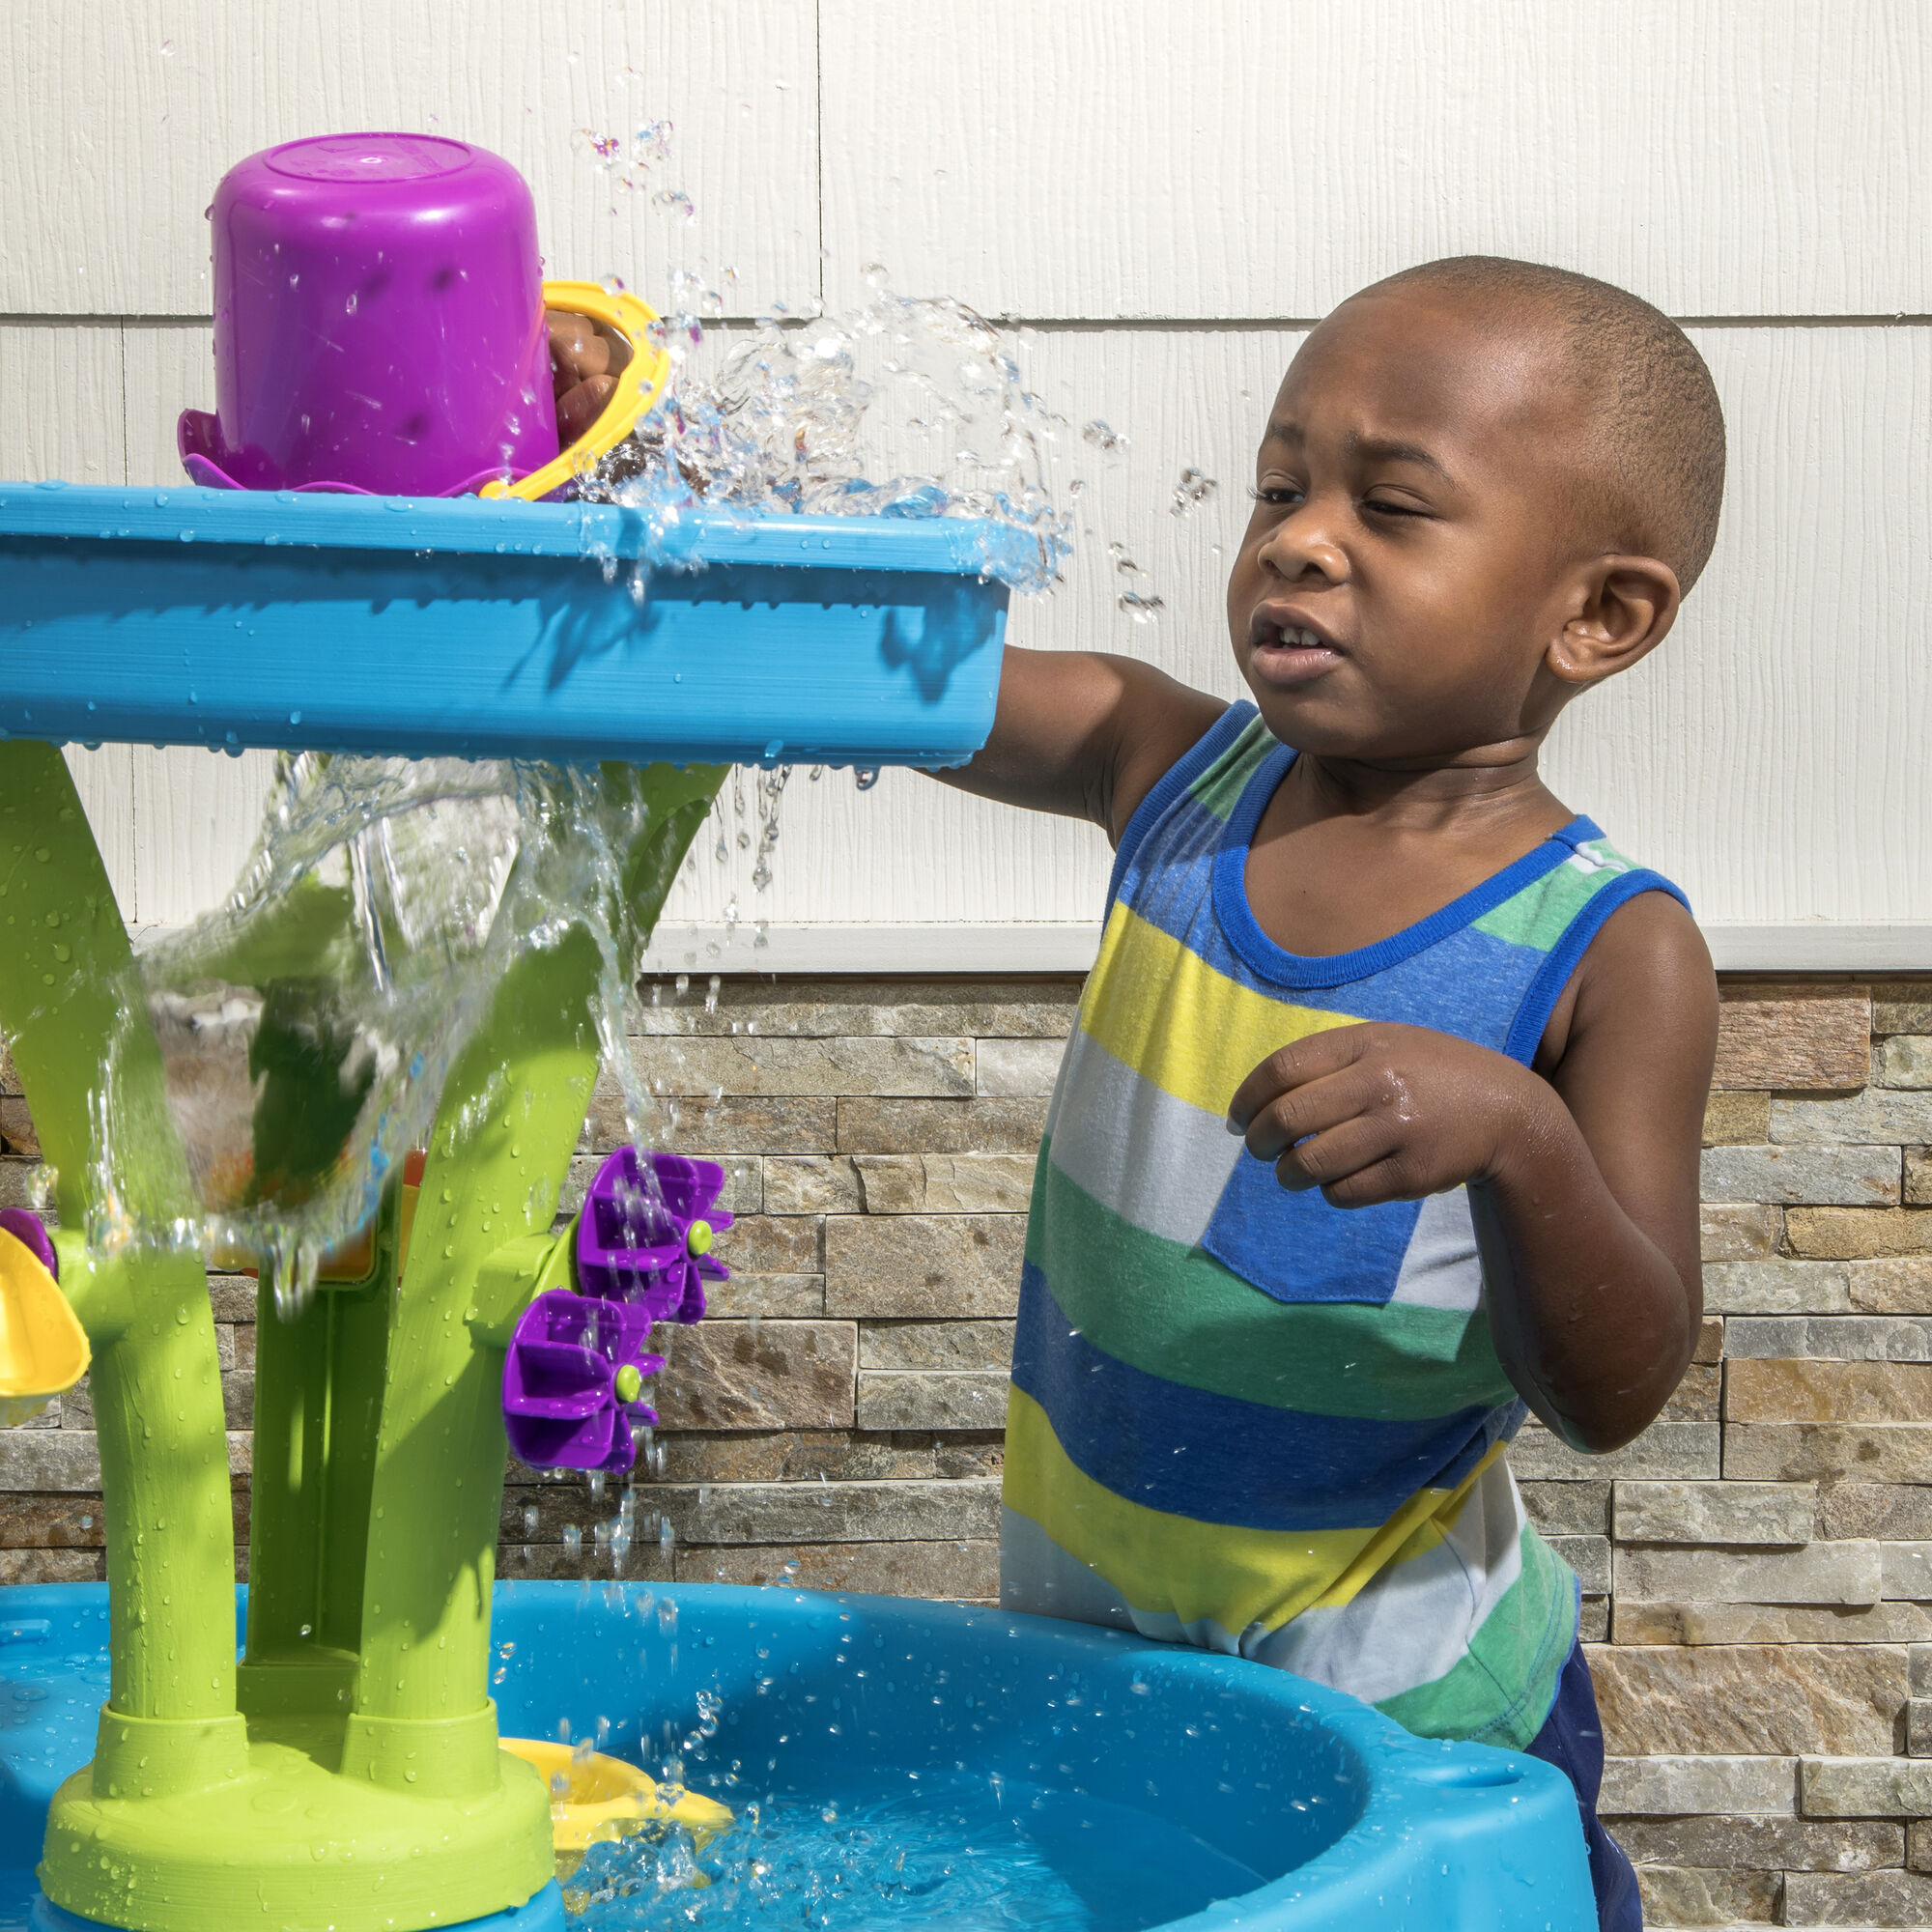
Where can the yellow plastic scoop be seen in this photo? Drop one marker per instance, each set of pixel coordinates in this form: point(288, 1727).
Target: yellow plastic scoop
point(42, 1349)
point(640, 366)
point(601, 1799)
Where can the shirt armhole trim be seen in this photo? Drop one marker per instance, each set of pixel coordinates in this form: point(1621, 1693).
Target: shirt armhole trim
point(1525, 1035)
point(1171, 782)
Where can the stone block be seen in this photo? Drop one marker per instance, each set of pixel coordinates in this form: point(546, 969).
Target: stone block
point(1918, 1728)
point(945, 1184)
point(1918, 1845)
point(1903, 1060)
point(937, 1345)
point(1877, 1117)
point(9, 1074)
point(764, 1374)
point(1820, 1572)
point(1893, 1287)
point(743, 1192)
point(1917, 1177)
point(773, 1244)
point(1736, 1118)
point(232, 1297)
point(1850, 1233)
point(1865, 1786)
point(1698, 1396)
point(1865, 1899)
point(1851, 1176)
point(1665, 1452)
point(1740, 1231)
point(52, 1521)
point(961, 1572)
point(1908, 1572)
point(1731, 1699)
point(237, 1399)
point(1708, 1623)
point(49, 1460)
point(1805, 1391)
point(235, 1345)
point(1830, 1338)
point(1777, 1288)
point(1590, 1557)
point(797, 1295)
point(828, 1007)
point(642, 1561)
point(915, 1065)
point(16, 1127)
point(1733, 1512)
point(1593, 1620)
point(940, 1126)
point(800, 1456)
point(754, 1125)
point(1809, 1452)
point(1803, 1035)
point(1919, 1668)
point(1019, 1070)
point(859, 1512)
point(1904, 1006)
point(810, 1183)
point(19, 1179)
point(1710, 1343)
point(914, 1265)
point(53, 1566)
point(1772, 1844)
point(1668, 1785)
point(1675, 1895)
point(937, 1399)
point(1568, 1509)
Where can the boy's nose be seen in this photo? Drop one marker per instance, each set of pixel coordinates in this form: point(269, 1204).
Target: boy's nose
point(1299, 545)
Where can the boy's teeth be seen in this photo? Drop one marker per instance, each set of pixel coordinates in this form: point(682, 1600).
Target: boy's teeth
point(1296, 638)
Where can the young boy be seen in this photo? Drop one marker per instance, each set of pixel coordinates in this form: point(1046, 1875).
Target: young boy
point(1380, 1125)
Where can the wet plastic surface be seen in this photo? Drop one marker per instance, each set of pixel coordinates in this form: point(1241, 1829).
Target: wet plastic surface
point(1348, 1821)
point(420, 627)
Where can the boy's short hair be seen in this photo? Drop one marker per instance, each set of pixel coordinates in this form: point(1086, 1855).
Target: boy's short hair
point(1655, 481)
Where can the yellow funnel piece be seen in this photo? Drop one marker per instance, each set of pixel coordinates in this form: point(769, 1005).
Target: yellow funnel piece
point(642, 368)
point(42, 1351)
point(602, 1798)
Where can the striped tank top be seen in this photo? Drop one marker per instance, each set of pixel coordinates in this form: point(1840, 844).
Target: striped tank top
point(1239, 1418)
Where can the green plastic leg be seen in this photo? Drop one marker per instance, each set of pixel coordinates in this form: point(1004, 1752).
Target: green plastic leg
point(367, 1789)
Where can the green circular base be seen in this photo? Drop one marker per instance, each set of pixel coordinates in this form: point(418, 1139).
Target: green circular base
point(294, 1845)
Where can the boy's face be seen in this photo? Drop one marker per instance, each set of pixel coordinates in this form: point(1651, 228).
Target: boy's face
point(1405, 566)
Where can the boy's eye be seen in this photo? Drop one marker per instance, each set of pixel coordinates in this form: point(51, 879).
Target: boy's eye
point(1282, 495)
point(1383, 507)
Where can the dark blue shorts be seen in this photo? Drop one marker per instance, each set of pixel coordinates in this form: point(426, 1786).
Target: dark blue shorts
point(1573, 1741)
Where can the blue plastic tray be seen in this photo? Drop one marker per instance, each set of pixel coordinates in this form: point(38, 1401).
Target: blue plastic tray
point(427, 627)
point(1347, 1822)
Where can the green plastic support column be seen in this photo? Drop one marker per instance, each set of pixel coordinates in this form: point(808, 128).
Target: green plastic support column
point(156, 1386)
point(525, 1081)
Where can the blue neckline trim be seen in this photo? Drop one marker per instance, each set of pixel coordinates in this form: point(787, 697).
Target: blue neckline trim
point(1339, 968)
point(1171, 782)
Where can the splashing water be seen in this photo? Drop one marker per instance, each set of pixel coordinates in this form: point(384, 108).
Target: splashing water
point(307, 1026)
point(973, 1853)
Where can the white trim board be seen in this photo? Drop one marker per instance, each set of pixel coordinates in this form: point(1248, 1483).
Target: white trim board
point(1043, 947)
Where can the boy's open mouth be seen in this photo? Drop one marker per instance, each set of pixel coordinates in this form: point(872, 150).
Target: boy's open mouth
point(1286, 649)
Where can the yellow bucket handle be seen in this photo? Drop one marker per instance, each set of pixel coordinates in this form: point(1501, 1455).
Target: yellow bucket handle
point(640, 383)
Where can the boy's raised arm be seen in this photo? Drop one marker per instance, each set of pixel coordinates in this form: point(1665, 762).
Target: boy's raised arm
point(1084, 735)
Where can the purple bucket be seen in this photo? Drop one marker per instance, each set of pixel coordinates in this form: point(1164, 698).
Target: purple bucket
point(378, 321)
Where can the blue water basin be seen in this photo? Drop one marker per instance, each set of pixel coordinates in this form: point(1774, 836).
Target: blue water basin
point(1153, 1784)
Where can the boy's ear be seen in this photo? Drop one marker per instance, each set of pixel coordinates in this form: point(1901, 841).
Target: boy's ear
point(1625, 607)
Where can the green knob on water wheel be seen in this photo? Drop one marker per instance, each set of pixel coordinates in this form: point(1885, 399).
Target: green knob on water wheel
point(629, 1384)
point(699, 1240)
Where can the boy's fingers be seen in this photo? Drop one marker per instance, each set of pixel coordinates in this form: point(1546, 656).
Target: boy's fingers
point(1311, 1109)
point(1348, 1149)
point(1292, 1066)
point(582, 405)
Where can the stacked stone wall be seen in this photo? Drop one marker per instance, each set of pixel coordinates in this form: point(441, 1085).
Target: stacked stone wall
point(1757, 1567)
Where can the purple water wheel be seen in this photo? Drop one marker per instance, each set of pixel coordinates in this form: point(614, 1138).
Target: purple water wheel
point(575, 1371)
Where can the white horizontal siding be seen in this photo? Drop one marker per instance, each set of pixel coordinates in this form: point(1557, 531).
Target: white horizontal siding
point(1224, 158)
point(117, 118)
point(1123, 161)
